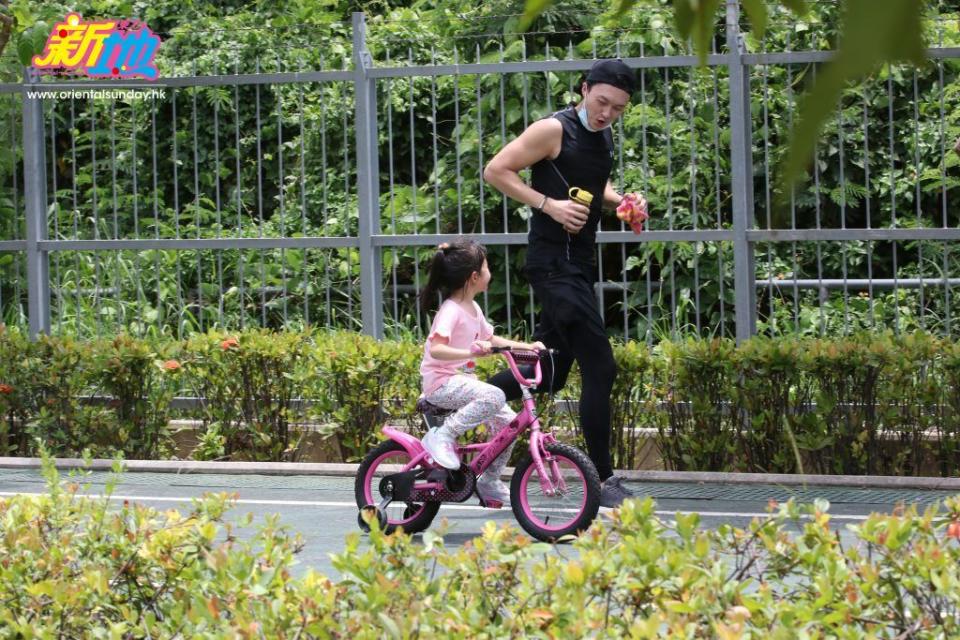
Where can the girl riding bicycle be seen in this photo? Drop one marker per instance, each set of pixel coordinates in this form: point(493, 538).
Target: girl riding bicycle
point(460, 333)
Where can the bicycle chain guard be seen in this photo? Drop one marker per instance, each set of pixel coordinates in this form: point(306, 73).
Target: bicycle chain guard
point(451, 486)
point(397, 486)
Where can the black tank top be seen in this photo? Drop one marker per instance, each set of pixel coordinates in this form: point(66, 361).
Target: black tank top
point(585, 161)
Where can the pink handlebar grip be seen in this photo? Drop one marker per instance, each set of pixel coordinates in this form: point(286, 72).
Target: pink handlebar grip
point(533, 356)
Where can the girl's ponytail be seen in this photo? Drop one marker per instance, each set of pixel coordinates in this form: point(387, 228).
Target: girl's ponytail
point(428, 294)
point(450, 268)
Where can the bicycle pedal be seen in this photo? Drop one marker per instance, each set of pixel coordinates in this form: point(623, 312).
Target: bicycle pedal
point(491, 504)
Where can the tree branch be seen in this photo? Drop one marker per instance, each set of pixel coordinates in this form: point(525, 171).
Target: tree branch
point(6, 26)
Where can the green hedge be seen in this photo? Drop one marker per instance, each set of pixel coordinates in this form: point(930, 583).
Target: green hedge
point(75, 567)
point(865, 404)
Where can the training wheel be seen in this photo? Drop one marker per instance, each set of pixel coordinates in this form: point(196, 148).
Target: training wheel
point(367, 514)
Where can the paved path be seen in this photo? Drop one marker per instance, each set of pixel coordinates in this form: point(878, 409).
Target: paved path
point(322, 508)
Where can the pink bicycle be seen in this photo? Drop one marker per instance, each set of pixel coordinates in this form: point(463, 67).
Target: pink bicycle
point(555, 489)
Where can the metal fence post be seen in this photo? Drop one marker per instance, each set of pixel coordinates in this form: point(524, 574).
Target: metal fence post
point(741, 161)
point(368, 182)
point(35, 202)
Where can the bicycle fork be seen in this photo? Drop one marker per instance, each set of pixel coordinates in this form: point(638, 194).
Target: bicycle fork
point(551, 484)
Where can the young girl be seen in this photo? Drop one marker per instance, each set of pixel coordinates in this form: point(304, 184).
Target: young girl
point(460, 333)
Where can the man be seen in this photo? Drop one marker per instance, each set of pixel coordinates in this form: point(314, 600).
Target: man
point(571, 148)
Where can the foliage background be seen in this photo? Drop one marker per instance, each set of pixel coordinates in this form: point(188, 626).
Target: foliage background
point(868, 404)
point(882, 161)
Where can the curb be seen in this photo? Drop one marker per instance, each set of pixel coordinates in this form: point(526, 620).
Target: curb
point(190, 466)
point(788, 479)
point(349, 470)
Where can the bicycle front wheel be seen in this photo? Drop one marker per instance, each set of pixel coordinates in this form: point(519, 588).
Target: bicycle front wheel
point(572, 501)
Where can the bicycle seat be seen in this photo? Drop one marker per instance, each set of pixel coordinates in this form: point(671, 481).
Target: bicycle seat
point(431, 410)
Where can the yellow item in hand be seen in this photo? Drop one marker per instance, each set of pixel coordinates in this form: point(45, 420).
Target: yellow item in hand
point(582, 196)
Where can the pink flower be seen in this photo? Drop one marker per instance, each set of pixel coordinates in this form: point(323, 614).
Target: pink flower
point(953, 530)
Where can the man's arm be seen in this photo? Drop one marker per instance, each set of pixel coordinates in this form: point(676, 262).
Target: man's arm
point(611, 199)
point(540, 140)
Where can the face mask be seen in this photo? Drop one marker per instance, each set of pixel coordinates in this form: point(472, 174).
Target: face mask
point(585, 120)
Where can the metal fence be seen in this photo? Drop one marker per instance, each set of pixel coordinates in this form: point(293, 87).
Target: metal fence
point(300, 200)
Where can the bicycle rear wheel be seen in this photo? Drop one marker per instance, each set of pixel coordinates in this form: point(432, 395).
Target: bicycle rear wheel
point(571, 509)
point(389, 457)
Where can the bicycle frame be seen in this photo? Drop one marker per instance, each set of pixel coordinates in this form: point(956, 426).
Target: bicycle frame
point(487, 452)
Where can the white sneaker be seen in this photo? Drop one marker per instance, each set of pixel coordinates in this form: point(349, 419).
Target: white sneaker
point(491, 487)
point(442, 447)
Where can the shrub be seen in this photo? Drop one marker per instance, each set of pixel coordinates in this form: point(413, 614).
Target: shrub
point(910, 397)
point(361, 383)
point(869, 403)
point(14, 395)
point(252, 384)
point(141, 385)
point(947, 451)
point(702, 429)
point(633, 402)
point(60, 373)
point(847, 374)
point(773, 396)
point(73, 567)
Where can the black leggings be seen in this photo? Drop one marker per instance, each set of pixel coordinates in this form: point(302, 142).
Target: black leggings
point(570, 323)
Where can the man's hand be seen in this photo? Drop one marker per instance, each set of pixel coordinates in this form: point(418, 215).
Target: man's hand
point(572, 215)
point(633, 211)
point(640, 200)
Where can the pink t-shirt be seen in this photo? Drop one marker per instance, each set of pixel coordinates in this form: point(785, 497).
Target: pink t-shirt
point(461, 329)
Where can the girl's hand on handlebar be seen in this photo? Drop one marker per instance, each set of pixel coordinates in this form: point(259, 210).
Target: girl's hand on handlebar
point(481, 348)
point(537, 346)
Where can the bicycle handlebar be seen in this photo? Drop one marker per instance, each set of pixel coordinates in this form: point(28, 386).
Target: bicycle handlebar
point(532, 357)
point(512, 350)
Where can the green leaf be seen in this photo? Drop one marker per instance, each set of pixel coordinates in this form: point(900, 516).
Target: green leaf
point(23, 14)
point(623, 6)
point(39, 34)
point(757, 11)
point(532, 11)
point(799, 7)
point(694, 20)
point(683, 16)
point(25, 51)
point(390, 625)
point(875, 32)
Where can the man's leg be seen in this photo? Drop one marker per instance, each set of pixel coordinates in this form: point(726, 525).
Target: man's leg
point(591, 348)
point(570, 319)
point(598, 369)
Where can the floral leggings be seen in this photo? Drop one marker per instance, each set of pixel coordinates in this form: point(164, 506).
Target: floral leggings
point(476, 402)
